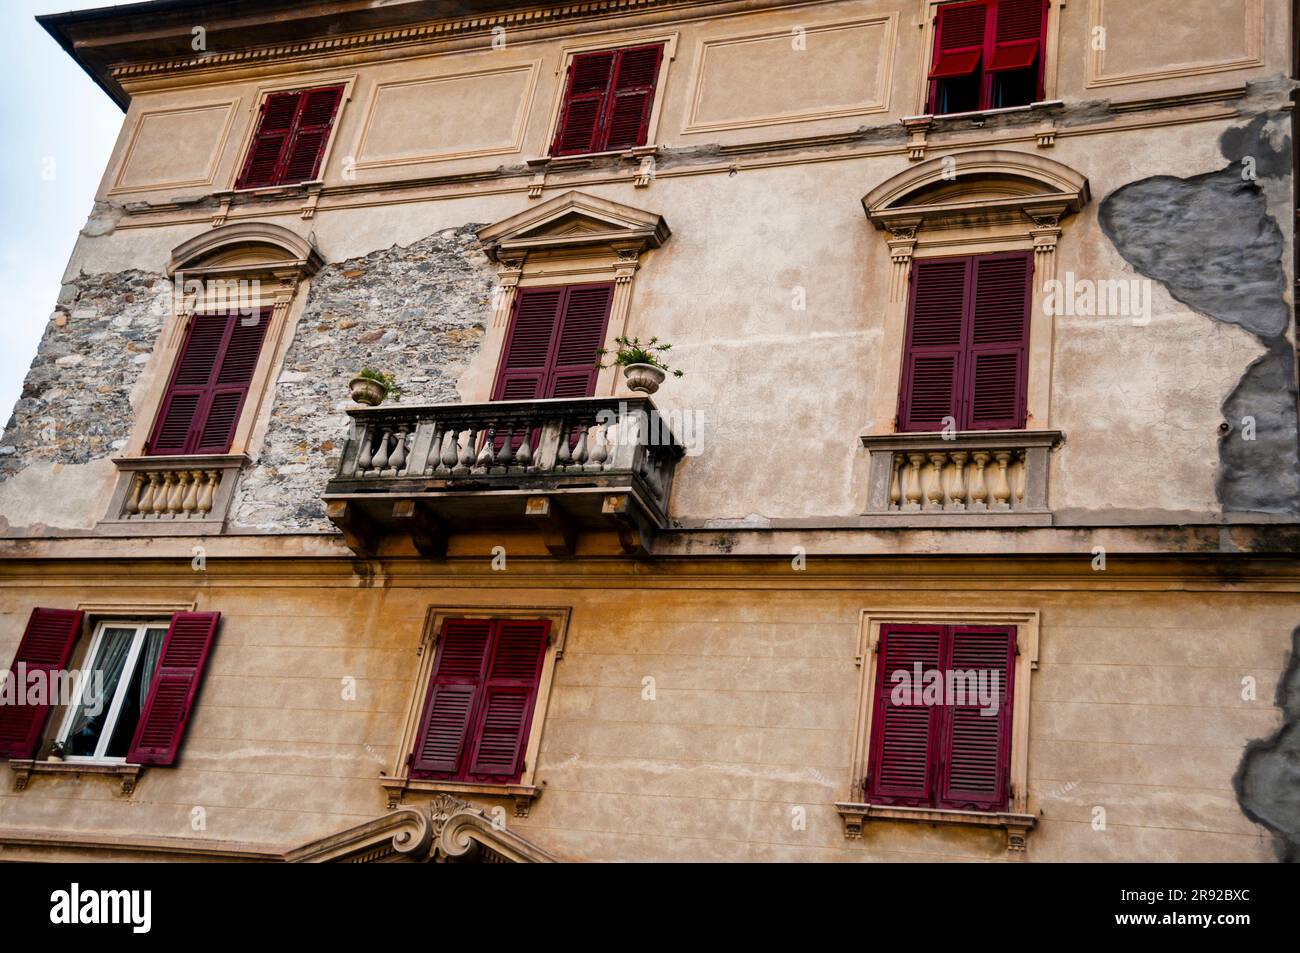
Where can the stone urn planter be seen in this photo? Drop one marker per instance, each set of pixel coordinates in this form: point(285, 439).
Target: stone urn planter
point(367, 391)
point(643, 378)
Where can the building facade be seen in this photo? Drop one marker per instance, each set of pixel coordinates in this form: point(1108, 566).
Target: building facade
point(969, 531)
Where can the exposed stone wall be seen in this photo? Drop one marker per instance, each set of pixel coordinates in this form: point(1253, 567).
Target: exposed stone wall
point(418, 312)
point(76, 400)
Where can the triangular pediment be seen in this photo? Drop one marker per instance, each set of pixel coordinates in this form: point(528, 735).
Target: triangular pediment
point(575, 219)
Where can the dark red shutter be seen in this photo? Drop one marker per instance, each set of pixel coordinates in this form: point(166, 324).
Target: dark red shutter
point(45, 647)
point(292, 131)
point(175, 683)
point(457, 677)
point(932, 358)
point(959, 39)
point(584, 103)
point(977, 746)
point(635, 77)
point(312, 132)
point(1018, 35)
point(550, 348)
point(582, 333)
point(201, 408)
point(996, 360)
point(274, 129)
point(509, 697)
point(526, 355)
point(904, 738)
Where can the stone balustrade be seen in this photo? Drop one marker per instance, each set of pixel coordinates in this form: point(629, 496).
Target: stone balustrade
point(172, 495)
point(994, 472)
point(440, 457)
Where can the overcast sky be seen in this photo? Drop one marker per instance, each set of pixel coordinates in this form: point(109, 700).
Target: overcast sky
point(58, 130)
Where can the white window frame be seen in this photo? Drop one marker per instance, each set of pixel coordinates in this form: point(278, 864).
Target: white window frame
point(141, 627)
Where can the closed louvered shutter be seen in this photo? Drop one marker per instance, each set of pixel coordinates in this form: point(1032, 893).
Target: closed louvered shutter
point(932, 360)
point(175, 684)
point(292, 132)
point(966, 352)
point(904, 730)
point(550, 349)
point(994, 378)
point(581, 334)
point(977, 746)
point(45, 648)
point(201, 407)
point(481, 699)
point(959, 39)
point(509, 698)
point(526, 361)
point(584, 103)
point(633, 96)
point(453, 690)
point(1018, 34)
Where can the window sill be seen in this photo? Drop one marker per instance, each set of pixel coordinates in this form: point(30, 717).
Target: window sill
point(1017, 826)
point(126, 774)
point(1042, 104)
point(522, 794)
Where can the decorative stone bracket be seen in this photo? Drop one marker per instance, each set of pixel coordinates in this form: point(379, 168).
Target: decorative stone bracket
point(1017, 826)
point(125, 774)
point(523, 795)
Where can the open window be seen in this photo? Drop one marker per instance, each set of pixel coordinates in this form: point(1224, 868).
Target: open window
point(123, 689)
point(988, 54)
point(609, 97)
point(292, 134)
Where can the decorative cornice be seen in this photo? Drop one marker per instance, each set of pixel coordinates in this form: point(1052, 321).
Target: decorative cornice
point(396, 36)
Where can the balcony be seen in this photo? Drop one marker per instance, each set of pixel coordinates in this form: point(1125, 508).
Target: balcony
point(558, 467)
point(975, 478)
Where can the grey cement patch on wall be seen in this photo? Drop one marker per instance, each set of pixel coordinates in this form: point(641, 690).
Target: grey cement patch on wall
point(1268, 779)
point(419, 312)
point(1212, 242)
point(75, 404)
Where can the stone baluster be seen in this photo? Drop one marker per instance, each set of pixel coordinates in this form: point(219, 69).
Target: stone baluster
point(564, 455)
point(366, 455)
point(465, 460)
point(1022, 467)
point(397, 462)
point(380, 461)
point(191, 501)
point(913, 491)
point(957, 490)
point(486, 455)
point(1001, 488)
point(934, 480)
point(505, 459)
point(979, 491)
point(524, 458)
point(209, 492)
point(579, 457)
point(151, 491)
point(599, 449)
point(162, 498)
point(138, 484)
point(450, 449)
point(896, 481)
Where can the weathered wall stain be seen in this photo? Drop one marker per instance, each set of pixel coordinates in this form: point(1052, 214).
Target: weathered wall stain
point(1212, 242)
point(418, 311)
point(1268, 779)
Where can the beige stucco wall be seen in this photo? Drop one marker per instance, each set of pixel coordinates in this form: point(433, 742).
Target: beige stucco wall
point(1137, 705)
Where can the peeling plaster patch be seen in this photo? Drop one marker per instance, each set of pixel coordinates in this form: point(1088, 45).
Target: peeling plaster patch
point(75, 405)
point(1211, 241)
point(418, 312)
point(1268, 779)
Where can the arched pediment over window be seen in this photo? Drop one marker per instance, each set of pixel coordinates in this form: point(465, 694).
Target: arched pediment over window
point(974, 189)
point(246, 247)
